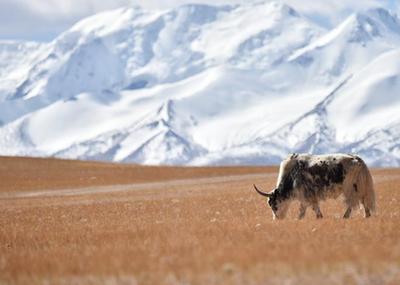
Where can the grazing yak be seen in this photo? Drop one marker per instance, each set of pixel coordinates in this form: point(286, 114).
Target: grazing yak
point(311, 178)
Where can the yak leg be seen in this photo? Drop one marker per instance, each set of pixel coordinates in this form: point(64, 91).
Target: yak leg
point(302, 211)
point(317, 210)
point(367, 212)
point(347, 213)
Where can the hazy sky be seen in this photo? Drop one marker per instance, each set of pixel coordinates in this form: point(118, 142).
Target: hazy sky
point(43, 20)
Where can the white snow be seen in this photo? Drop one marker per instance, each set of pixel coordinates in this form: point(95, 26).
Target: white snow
point(203, 84)
point(377, 103)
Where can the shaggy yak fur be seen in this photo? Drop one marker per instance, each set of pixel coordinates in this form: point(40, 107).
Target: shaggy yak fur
point(312, 178)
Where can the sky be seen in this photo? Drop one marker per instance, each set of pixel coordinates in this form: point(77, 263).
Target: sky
point(43, 20)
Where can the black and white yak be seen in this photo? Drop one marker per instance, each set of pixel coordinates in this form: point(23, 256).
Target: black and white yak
point(312, 178)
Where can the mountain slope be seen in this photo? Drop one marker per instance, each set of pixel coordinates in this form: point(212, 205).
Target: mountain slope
point(202, 84)
point(347, 48)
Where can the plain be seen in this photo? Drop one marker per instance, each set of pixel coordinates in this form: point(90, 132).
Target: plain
point(71, 222)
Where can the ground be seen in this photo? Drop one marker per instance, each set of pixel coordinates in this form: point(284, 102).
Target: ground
point(69, 222)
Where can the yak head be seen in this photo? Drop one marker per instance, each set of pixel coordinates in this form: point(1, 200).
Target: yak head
point(278, 205)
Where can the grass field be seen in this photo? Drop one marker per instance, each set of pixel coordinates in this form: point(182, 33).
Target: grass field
point(68, 222)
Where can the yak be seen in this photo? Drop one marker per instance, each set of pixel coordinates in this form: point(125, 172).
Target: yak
point(311, 178)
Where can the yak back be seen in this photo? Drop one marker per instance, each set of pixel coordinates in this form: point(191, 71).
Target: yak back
point(313, 173)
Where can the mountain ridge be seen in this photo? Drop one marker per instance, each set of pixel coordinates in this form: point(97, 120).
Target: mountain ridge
point(205, 85)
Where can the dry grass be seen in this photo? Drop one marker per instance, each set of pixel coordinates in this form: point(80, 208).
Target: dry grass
point(199, 231)
point(25, 174)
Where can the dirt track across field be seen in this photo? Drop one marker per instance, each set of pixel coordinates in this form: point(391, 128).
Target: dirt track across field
point(68, 222)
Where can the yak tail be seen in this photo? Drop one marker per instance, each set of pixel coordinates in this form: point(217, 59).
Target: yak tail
point(366, 185)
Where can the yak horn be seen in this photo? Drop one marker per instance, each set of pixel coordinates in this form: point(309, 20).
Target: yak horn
point(262, 193)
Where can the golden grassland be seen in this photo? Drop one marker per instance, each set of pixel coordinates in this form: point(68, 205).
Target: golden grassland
point(68, 222)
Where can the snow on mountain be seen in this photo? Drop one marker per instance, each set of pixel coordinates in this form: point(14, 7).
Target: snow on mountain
point(348, 47)
point(151, 138)
point(15, 54)
point(377, 103)
point(380, 147)
point(202, 84)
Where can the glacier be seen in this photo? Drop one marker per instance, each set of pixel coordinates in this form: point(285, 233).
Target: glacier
point(205, 85)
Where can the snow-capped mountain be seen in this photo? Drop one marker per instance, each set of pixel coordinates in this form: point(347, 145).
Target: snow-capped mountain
point(201, 84)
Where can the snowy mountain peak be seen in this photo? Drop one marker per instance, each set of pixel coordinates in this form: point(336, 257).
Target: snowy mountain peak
point(363, 27)
point(205, 84)
point(389, 20)
point(105, 23)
